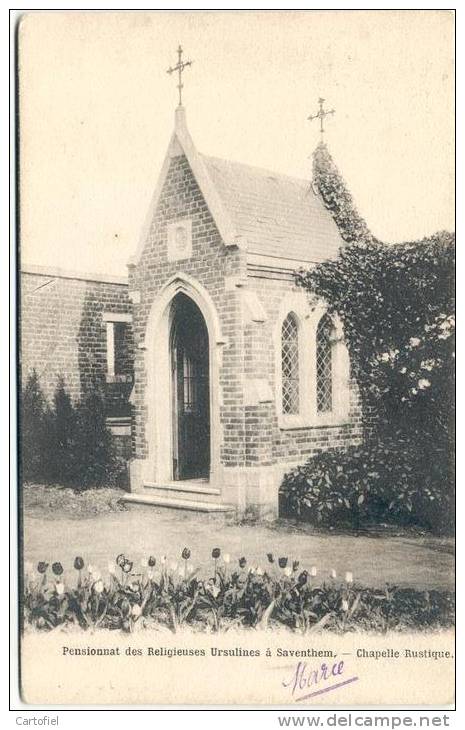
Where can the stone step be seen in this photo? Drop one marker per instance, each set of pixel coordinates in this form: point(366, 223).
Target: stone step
point(184, 488)
point(195, 505)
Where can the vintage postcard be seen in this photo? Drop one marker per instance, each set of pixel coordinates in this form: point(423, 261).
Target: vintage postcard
point(236, 325)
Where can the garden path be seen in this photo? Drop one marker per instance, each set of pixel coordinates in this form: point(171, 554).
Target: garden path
point(374, 557)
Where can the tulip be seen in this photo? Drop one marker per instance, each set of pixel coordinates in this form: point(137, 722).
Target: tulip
point(127, 566)
point(216, 552)
point(313, 571)
point(333, 573)
point(57, 568)
point(98, 586)
point(226, 558)
point(344, 605)
point(60, 588)
point(270, 557)
point(242, 562)
point(302, 579)
point(186, 553)
point(152, 562)
point(120, 560)
point(295, 565)
point(288, 571)
point(78, 563)
point(349, 578)
point(42, 567)
point(282, 562)
point(259, 571)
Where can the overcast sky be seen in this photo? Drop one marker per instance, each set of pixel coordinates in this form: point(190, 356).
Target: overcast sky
point(97, 112)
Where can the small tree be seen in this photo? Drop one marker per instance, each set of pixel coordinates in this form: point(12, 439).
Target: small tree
point(64, 436)
point(34, 428)
point(94, 450)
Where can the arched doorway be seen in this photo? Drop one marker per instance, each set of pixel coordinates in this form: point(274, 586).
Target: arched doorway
point(190, 390)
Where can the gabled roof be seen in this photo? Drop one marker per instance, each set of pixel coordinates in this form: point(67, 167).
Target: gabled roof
point(264, 212)
point(277, 215)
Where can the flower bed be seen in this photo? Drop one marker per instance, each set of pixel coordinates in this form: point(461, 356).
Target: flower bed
point(158, 593)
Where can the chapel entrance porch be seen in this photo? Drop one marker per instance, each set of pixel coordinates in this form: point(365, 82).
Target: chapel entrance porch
point(190, 391)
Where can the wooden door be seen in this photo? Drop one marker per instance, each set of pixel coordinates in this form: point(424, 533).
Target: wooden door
point(190, 391)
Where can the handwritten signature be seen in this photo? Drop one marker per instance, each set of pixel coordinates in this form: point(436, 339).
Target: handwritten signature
point(324, 679)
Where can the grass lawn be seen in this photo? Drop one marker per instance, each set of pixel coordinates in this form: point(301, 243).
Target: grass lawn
point(61, 528)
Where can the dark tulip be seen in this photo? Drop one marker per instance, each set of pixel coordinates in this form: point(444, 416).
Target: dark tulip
point(78, 563)
point(120, 560)
point(242, 562)
point(216, 552)
point(282, 562)
point(151, 561)
point(270, 557)
point(126, 566)
point(186, 553)
point(42, 566)
point(57, 568)
point(295, 565)
point(302, 579)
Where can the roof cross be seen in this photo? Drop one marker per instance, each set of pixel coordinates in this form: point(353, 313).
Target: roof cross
point(321, 114)
point(180, 66)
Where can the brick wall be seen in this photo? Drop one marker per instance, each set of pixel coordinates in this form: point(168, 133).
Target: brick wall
point(211, 262)
point(63, 335)
point(270, 444)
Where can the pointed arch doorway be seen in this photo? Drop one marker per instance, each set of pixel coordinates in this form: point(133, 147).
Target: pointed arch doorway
point(190, 390)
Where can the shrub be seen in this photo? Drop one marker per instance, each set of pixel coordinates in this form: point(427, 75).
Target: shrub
point(34, 428)
point(68, 444)
point(389, 482)
point(155, 594)
point(396, 304)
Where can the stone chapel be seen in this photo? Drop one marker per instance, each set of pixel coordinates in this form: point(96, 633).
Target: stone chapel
point(222, 370)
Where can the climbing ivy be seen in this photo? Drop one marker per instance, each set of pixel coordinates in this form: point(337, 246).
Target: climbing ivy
point(396, 303)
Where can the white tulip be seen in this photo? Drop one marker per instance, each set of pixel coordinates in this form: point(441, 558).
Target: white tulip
point(344, 605)
point(98, 586)
point(60, 588)
point(349, 578)
point(333, 573)
point(226, 558)
point(313, 571)
point(288, 571)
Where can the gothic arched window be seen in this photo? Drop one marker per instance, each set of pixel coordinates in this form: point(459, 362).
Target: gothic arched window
point(325, 336)
point(290, 365)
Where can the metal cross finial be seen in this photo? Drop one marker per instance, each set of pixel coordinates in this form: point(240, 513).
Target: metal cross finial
point(321, 115)
point(180, 66)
